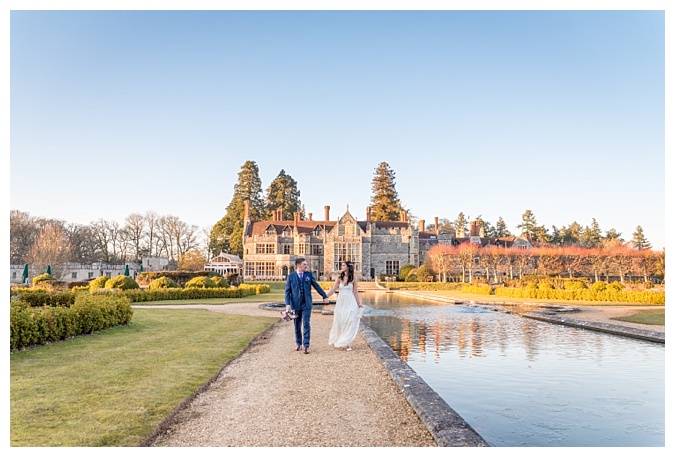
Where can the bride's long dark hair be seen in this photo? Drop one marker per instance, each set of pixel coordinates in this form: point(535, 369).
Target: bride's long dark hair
point(350, 272)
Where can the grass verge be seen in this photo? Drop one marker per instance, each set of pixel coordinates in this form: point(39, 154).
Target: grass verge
point(646, 316)
point(114, 387)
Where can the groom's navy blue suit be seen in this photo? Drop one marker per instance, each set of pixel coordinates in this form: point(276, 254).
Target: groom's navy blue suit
point(299, 298)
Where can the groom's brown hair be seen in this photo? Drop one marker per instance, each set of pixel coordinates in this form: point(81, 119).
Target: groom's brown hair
point(299, 260)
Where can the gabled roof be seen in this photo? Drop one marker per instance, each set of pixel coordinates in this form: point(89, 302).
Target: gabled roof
point(257, 228)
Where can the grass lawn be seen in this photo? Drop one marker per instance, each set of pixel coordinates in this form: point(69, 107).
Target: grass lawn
point(114, 387)
point(646, 316)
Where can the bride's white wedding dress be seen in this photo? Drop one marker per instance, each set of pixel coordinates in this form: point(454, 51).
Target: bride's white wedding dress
point(346, 318)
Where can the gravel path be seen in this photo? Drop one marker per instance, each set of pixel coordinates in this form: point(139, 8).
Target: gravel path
point(273, 396)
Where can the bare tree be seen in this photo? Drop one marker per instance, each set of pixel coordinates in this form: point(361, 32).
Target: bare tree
point(135, 230)
point(51, 247)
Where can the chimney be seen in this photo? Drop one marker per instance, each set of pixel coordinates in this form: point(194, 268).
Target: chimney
point(326, 212)
point(422, 221)
point(459, 232)
point(280, 214)
point(436, 224)
point(310, 216)
point(247, 210)
point(473, 228)
point(368, 213)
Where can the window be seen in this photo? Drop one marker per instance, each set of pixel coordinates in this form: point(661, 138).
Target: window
point(317, 231)
point(317, 249)
point(347, 251)
point(392, 267)
point(91, 275)
point(286, 232)
point(303, 248)
point(265, 248)
point(271, 230)
point(74, 275)
point(287, 248)
point(14, 275)
point(260, 269)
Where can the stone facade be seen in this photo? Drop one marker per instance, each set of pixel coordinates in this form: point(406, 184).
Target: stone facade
point(375, 247)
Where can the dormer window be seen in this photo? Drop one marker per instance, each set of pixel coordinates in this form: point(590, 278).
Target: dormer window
point(271, 230)
point(286, 232)
point(317, 231)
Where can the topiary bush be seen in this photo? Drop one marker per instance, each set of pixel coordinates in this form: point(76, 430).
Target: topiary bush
point(575, 285)
point(121, 282)
point(98, 283)
point(163, 283)
point(599, 286)
point(200, 282)
point(219, 281)
point(43, 277)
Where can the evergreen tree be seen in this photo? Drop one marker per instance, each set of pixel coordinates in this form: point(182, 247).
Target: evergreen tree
point(283, 193)
point(591, 237)
point(461, 223)
point(530, 228)
point(385, 204)
point(612, 234)
point(639, 240)
point(501, 229)
point(227, 234)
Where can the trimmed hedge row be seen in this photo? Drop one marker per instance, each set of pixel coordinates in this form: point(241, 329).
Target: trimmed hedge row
point(31, 325)
point(423, 285)
point(608, 294)
point(179, 277)
point(40, 297)
point(243, 290)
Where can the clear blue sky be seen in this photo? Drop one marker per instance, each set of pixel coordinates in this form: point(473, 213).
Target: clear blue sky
point(489, 113)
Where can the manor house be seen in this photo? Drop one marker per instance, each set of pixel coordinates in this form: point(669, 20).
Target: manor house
point(375, 247)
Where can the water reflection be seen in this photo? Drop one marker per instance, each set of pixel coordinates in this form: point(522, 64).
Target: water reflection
point(522, 382)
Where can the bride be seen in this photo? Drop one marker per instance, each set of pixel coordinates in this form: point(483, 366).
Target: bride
point(348, 309)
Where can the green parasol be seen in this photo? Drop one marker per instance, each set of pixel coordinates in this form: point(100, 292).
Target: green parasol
point(126, 270)
point(49, 269)
point(24, 277)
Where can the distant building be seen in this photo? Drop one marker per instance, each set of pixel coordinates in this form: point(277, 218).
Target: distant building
point(83, 272)
point(375, 247)
point(225, 264)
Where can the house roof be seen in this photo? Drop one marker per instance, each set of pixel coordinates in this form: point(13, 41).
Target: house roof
point(258, 228)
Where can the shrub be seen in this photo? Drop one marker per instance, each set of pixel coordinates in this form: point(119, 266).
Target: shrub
point(163, 283)
point(404, 271)
point(121, 282)
point(43, 277)
point(98, 283)
point(616, 286)
point(412, 277)
point(574, 285)
point(423, 273)
point(200, 282)
point(219, 281)
point(180, 277)
point(544, 286)
point(38, 325)
point(599, 286)
point(40, 297)
point(475, 289)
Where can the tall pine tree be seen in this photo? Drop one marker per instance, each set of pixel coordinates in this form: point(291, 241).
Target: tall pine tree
point(530, 228)
point(385, 204)
point(283, 193)
point(227, 233)
point(640, 240)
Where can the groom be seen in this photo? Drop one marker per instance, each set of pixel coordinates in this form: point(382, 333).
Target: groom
point(299, 298)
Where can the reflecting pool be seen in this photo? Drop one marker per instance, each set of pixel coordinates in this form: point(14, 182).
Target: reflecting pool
point(522, 382)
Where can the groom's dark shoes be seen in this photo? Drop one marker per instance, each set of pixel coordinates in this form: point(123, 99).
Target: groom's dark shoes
point(298, 348)
point(306, 350)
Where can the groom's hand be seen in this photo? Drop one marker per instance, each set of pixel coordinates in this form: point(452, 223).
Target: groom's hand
point(288, 308)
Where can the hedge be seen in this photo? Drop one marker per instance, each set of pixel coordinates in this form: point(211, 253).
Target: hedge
point(121, 282)
point(179, 277)
point(423, 285)
point(609, 294)
point(40, 297)
point(138, 296)
point(31, 326)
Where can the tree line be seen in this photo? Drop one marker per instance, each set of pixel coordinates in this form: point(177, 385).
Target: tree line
point(42, 241)
point(38, 240)
point(495, 263)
